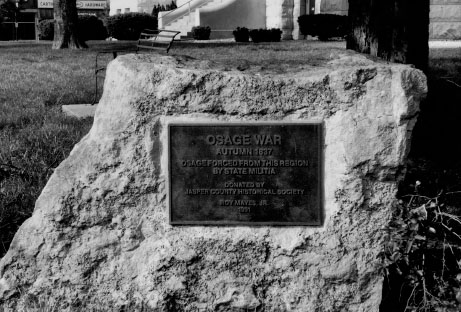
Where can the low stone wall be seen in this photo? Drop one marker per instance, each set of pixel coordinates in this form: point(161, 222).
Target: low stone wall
point(339, 7)
point(445, 16)
point(99, 235)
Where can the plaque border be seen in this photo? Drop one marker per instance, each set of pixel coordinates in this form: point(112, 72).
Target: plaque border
point(321, 170)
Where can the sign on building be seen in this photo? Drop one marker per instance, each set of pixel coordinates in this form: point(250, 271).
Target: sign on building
point(45, 4)
point(87, 5)
point(91, 5)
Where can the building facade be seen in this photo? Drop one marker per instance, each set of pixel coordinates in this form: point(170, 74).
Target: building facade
point(24, 25)
point(98, 8)
point(141, 6)
point(146, 6)
point(225, 15)
point(445, 16)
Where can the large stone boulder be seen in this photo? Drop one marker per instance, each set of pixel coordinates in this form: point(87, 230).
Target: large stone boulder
point(100, 238)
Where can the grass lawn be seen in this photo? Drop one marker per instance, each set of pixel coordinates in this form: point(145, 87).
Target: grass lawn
point(35, 136)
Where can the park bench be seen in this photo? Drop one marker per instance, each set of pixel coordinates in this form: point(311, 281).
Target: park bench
point(159, 40)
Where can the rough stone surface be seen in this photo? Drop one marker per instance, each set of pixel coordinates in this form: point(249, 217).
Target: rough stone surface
point(99, 235)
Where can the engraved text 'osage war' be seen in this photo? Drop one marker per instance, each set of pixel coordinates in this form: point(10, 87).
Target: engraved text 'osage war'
point(252, 174)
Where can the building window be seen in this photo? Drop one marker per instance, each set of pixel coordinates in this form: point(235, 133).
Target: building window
point(127, 10)
point(119, 11)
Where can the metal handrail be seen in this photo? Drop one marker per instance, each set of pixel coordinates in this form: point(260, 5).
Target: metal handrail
point(177, 8)
point(182, 15)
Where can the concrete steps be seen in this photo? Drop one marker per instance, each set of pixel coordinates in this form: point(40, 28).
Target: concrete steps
point(185, 23)
point(187, 37)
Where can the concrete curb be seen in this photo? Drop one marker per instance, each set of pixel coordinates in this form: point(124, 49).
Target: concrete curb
point(79, 110)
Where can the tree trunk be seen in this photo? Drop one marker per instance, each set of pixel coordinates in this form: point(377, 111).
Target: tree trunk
point(65, 26)
point(395, 30)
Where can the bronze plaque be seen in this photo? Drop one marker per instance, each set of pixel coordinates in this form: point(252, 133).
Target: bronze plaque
point(250, 174)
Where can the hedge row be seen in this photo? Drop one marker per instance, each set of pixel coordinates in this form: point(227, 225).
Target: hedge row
point(91, 28)
point(243, 34)
point(124, 27)
point(201, 32)
point(46, 29)
point(323, 26)
point(128, 26)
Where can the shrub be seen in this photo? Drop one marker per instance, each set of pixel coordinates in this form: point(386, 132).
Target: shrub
point(324, 26)
point(91, 28)
point(161, 8)
point(265, 35)
point(3, 32)
point(128, 26)
point(46, 29)
point(275, 34)
point(241, 34)
point(422, 254)
point(258, 35)
point(201, 32)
